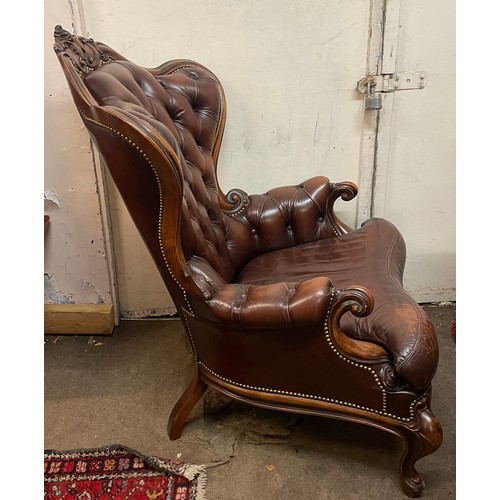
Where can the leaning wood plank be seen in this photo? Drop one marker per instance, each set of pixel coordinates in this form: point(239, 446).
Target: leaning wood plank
point(79, 319)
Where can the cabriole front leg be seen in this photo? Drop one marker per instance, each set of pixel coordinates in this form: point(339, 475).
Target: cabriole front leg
point(421, 438)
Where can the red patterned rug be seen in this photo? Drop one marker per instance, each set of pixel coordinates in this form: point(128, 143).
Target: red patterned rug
point(117, 472)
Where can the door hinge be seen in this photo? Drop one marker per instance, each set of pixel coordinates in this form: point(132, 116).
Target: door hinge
point(373, 85)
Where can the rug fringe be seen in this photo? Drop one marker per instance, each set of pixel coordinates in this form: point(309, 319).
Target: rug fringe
point(191, 471)
point(197, 474)
point(201, 484)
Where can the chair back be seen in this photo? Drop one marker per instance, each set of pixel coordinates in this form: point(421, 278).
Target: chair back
point(159, 133)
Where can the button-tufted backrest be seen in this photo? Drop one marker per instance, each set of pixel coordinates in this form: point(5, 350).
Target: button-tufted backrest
point(184, 107)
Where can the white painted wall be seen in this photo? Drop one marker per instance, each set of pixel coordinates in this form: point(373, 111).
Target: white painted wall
point(75, 265)
point(289, 70)
point(417, 184)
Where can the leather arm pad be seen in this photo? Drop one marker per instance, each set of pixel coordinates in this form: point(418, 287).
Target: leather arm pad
point(275, 305)
point(289, 215)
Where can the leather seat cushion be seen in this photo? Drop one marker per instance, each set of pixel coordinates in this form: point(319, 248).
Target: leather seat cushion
point(373, 256)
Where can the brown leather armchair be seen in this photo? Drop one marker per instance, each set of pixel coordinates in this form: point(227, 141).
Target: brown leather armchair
point(284, 305)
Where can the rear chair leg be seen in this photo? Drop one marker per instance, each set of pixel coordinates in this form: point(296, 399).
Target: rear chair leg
point(186, 403)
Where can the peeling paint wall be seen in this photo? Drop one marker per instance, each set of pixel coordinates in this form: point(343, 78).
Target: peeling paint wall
point(75, 263)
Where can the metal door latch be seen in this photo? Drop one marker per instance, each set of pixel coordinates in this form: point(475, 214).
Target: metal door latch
point(374, 85)
point(373, 100)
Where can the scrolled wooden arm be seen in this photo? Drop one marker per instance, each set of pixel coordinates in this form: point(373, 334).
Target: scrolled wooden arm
point(235, 201)
point(359, 301)
point(347, 191)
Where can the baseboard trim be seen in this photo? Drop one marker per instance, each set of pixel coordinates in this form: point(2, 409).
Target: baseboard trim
point(72, 319)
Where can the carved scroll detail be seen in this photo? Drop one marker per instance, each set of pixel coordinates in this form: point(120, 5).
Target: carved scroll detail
point(83, 52)
point(359, 301)
point(347, 191)
point(356, 299)
point(391, 380)
point(237, 201)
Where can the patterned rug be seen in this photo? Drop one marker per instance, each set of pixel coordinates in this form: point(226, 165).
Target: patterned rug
point(116, 472)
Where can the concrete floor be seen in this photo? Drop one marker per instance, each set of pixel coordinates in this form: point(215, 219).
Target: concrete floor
point(120, 389)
